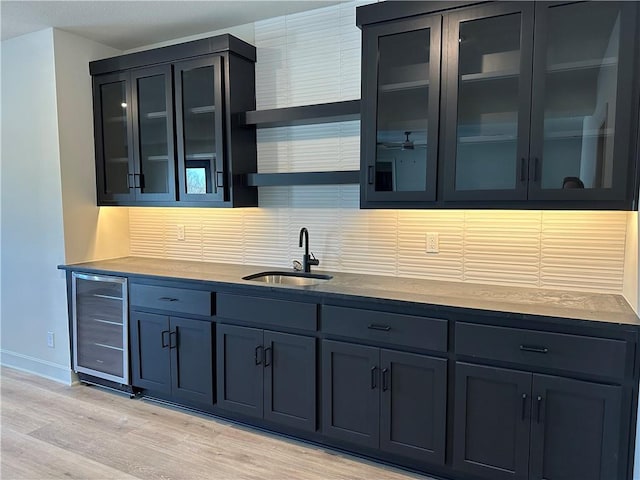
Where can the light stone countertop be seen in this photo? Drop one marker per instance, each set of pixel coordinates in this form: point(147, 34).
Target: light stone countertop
point(599, 307)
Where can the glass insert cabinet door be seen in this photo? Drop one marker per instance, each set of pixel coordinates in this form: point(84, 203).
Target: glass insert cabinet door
point(154, 160)
point(199, 127)
point(113, 137)
point(580, 129)
point(488, 102)
point(401, 93)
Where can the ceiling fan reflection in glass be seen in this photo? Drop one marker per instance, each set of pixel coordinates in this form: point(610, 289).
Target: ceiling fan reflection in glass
point(411, 141)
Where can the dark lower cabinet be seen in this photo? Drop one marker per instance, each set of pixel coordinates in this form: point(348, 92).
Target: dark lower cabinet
point(413, 405)
point(350, 399)
point(575, 429)
point(520, 425)
point(267, 375)
point(173, 355)
point(385, 399)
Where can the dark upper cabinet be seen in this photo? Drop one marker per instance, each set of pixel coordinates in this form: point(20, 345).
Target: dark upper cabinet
point(173, 356)
point(400, 109)
point(519, 425)
point(168, 134)
point(538, 102)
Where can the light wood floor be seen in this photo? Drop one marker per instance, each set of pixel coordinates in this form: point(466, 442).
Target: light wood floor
point(54, 431)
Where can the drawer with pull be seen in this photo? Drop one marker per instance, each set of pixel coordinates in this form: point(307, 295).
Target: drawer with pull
point(394, 328)
point(576, 353)
point(172, 299)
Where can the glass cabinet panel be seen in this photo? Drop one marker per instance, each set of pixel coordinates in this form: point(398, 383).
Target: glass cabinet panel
point(152, 131)
point(198, 92)
point(154, 178)
point(115, 137)
point(577, 90)
point(489, 107)
point(488, 86)
point(403, 111)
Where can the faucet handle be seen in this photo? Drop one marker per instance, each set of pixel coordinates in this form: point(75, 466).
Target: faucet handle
point(297, 266)
point(312, 260)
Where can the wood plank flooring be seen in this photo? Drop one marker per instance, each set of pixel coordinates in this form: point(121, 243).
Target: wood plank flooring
point(49, 430)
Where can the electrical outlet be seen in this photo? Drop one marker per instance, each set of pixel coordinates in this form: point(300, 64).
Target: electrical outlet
point(180, 229)
point(50, 340)
point(432, 242)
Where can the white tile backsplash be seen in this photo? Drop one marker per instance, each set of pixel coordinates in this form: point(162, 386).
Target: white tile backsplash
point(314, 57)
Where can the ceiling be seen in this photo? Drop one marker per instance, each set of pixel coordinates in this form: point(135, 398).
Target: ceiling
point(127, 25)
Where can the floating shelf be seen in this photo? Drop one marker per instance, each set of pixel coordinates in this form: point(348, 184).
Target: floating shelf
point(303, 178)
point(303, 115)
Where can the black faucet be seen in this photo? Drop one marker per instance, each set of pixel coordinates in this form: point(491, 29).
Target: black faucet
point(307, 260)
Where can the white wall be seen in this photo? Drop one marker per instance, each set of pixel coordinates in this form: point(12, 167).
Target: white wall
point(90, 232)
point(33, 292)
point(49, 213)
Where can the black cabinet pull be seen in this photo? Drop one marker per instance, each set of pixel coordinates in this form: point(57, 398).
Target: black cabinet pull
point(374, 374)
point(258, 354)
point(523, 166)
point(538, 416)
point(524, 406)
point(370, 175)
point(130, 181)
point(136, 180)
point(268, 356)
point(385, 379)
point(534, 349)
point(168, 299)
point(165, 344)
point(375, 326)
point(173, 335)
point(536, 169)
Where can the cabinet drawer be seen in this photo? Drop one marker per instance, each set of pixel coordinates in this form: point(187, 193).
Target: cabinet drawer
point(181, 300)
point(408, 330)
point(588, 355)
point(280, 313)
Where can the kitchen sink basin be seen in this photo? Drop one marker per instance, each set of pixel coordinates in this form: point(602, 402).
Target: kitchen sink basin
point(300, 279)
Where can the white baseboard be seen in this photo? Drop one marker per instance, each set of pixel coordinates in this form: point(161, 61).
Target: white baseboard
point(43, 368)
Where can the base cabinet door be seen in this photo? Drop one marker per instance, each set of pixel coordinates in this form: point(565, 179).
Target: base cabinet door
point(492, 424)
point(351, 399)
point(150, 362)
point(191, 360)
point(290, 380)
point(239, 355)
point(413, 405)
point(575, 429)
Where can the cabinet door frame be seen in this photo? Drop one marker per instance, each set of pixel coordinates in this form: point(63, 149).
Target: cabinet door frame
point(256, 376)
point(439, 368)
point(135, 75)
point(160, 349)
point(624, 171)
point(450, 110)
point(523, 382)
point(369, 107)
point(307, 390)
point(204, 352)
point(610, 395)
point(372, 407)
point(217, 165)
point(103, 197)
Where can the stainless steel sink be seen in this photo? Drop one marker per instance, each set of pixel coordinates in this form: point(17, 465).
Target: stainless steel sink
point(289, 278)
